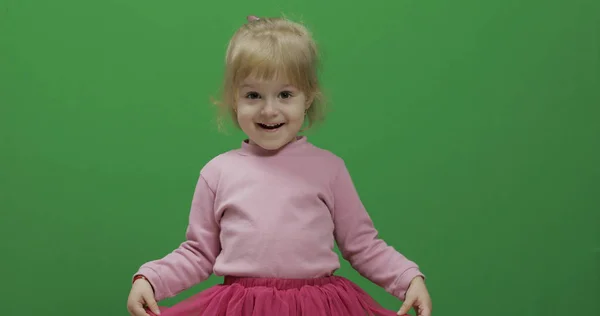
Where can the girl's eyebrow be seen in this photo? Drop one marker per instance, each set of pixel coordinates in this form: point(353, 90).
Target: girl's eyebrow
point(284, 86)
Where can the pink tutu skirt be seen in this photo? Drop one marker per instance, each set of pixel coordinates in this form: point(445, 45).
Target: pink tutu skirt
point(327, 296)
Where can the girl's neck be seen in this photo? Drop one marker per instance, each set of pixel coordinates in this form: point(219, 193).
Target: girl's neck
point(250, 147)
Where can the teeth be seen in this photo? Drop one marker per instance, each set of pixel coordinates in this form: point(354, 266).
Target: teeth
point(271, 125)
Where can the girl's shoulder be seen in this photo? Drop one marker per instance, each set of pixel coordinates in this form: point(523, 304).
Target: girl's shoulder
point(213, 167)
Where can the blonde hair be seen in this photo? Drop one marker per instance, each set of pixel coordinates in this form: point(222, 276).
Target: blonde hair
point(269, 48)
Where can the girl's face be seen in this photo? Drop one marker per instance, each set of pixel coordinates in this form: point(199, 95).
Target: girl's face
point(271, 113)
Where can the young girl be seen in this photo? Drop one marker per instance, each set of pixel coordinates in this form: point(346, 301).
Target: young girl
point(266, 215)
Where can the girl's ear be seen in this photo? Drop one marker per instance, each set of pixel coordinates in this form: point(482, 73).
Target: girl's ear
point(309, 100)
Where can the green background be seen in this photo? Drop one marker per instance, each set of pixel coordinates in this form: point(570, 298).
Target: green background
point(471, 129)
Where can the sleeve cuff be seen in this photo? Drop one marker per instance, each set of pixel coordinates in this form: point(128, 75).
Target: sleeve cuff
point(403, 282)
point(160, 290)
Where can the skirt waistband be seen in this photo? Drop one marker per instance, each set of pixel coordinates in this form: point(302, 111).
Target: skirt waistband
point(280, 283)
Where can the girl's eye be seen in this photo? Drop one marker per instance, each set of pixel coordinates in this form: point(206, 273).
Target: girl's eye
point(285, 95)
point(252, 95)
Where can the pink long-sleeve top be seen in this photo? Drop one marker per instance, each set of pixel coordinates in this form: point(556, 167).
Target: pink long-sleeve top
point(263, 214)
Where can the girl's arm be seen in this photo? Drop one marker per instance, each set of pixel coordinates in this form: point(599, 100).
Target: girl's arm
point(192, 262)
point(358, 241)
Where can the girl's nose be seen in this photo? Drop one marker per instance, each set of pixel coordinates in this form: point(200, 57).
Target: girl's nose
point(269, 107)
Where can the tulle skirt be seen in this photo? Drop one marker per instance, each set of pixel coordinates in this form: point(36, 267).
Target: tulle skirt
point(327, 296)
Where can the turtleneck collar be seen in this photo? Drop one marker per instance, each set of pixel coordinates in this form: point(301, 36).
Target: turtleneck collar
point(255, 150)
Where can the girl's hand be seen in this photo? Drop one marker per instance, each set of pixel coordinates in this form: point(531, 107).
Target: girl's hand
point(418, 298)
point(140, 297)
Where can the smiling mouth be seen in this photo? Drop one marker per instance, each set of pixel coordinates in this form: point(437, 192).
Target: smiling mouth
point(270, 126)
